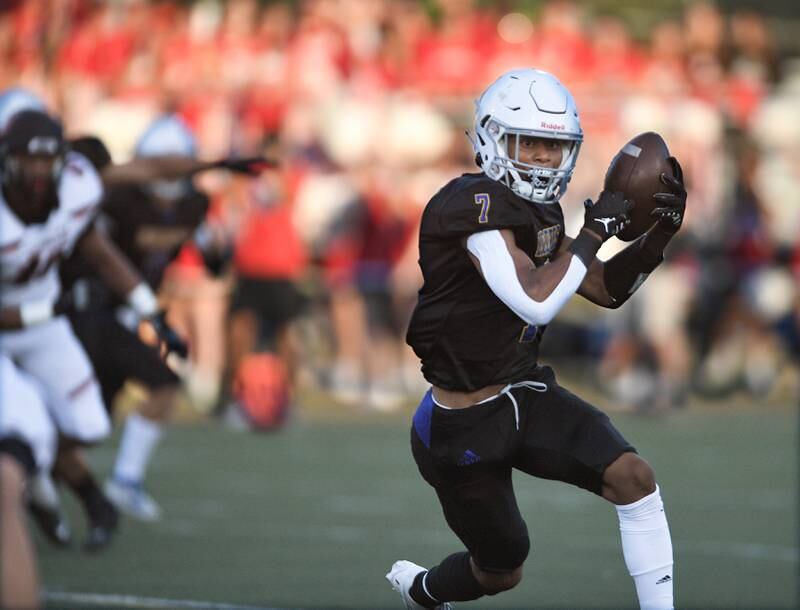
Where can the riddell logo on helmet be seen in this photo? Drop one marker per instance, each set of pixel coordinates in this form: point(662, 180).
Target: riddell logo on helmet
point(555, 126)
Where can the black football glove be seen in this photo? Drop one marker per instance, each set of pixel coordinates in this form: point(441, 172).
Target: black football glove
point(65, 303)
point(169, 340)
point(673, 204)
point(252, 166)
point(608, 215)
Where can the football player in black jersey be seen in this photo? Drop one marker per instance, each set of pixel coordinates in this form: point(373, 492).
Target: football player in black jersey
point(149, 212)
point(497, 268)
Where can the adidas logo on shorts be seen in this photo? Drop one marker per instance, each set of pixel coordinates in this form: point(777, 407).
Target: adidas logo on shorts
point(469, 457)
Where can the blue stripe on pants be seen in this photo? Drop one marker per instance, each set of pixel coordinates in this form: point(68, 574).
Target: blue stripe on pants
point(422, 419)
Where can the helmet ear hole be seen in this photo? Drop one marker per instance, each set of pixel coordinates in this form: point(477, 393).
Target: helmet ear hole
point(478, 160)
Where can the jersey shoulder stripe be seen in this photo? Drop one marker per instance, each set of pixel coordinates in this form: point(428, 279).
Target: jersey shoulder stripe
point(10, 247)
point(84, 210)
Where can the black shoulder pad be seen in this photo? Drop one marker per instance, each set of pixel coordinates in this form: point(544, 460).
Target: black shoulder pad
point(474, 203)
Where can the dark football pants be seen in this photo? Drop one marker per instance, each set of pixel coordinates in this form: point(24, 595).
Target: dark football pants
point(467, 456)
point(117, 354)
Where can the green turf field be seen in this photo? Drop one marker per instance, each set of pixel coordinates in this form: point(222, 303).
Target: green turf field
point(313, 516)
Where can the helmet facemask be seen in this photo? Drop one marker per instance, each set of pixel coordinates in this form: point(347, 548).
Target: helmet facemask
point(169, 192)
point(168, 135)
point(33, 153)
point(535, 183)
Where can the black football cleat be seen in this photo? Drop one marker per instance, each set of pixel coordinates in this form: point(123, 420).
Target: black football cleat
point(52, 524)
point(103, 522)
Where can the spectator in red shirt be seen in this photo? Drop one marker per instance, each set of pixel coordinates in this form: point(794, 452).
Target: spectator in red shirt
point(269, 258)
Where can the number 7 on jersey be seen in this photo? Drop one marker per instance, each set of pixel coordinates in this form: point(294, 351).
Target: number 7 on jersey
point(482, 199)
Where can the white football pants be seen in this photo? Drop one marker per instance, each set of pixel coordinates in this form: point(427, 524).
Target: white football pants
point(51, 354)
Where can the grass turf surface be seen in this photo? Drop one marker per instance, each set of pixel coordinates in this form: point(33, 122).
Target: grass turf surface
point(314, 515)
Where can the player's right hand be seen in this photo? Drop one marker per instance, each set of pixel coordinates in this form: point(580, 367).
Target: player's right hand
point(64, 303)
point(252, 166)
point(608, 215)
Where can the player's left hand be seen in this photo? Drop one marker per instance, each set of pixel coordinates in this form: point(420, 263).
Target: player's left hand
point(170, 341)
point(64, 304)
point(673, 203)
point(252, 166)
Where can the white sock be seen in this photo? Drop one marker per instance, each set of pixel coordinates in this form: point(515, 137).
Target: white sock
point(42, 491)
point(647, 548)
point(139, 439)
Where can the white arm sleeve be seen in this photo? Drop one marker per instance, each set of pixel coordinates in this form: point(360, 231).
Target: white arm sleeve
point(498, 269)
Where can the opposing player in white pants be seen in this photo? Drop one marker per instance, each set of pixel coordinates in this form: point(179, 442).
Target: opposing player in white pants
point(50, 353)
point(47, 202)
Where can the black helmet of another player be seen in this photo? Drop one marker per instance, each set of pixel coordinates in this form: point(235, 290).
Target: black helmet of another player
point(31, 162)
point(168, 135)
point(94, 149)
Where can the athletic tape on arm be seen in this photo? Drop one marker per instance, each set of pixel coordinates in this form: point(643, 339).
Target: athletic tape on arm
point(143, 301)
point(498, 269)
point(35, 313)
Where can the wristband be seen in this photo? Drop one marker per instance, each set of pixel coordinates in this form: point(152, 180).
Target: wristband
point(35, 313)
point(627, 270)
point(143, 301)
point(585, 247)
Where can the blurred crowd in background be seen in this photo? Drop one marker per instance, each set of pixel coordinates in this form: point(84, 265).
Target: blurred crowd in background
point(364, 104)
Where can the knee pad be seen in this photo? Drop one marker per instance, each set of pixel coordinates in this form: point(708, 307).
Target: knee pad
point(88, 435)
point(90, 423)
point(96, 433)
point(506, 554)
point(516, 551)
point(20, 451)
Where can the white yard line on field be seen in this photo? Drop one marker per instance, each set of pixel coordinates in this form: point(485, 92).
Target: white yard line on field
point(135, 601)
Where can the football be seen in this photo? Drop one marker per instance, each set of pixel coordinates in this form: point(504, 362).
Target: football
point(636, 171)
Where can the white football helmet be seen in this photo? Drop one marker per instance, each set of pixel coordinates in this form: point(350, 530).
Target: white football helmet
point(168, 135)
point(533, 103)
point(16, 100)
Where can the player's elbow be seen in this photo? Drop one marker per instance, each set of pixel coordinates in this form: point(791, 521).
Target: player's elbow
point(539, 313)
point(537, 290)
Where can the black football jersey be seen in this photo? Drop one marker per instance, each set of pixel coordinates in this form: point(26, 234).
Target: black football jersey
point(466, 337)
point(150, 235)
